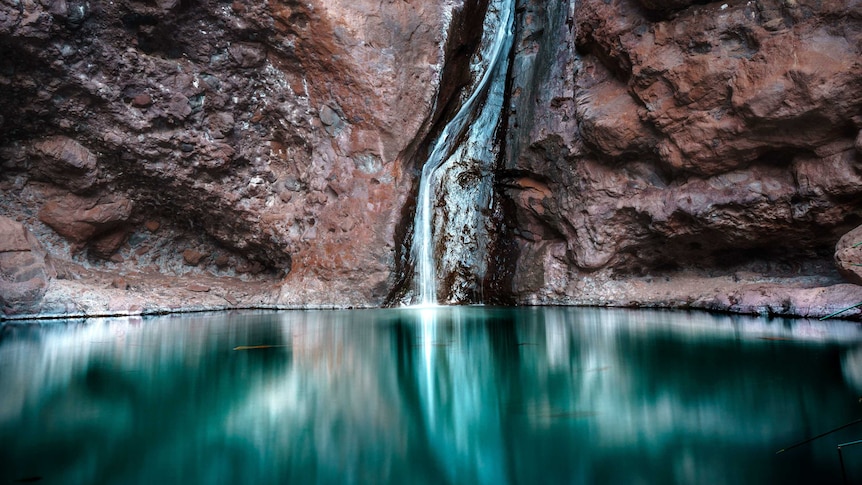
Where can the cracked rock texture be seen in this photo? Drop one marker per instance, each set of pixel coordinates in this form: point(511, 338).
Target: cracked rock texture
point(712, 145)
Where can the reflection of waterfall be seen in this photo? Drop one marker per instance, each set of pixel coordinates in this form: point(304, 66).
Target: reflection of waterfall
point(455, 187)
point(431, 395)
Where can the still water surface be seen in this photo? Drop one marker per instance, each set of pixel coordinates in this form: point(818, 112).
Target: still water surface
point(453, 395)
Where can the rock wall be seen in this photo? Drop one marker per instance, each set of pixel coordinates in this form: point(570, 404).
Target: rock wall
point(690, 154)
point(262, 142)
point(192, 154)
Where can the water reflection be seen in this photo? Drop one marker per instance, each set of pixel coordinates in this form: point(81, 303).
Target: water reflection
point(449, 395)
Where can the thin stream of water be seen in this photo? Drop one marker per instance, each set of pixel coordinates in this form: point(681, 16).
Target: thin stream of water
point(484, 115)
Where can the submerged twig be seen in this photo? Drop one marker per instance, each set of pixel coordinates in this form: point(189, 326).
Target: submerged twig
point(257, 347)
point(809, 440)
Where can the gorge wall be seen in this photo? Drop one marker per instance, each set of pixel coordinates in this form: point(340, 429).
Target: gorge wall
point(256, 149)
point(688, 154)
point(189, 154)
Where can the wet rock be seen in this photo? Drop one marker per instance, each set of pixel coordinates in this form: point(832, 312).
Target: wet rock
point(24, 271)
point(221, 261)
point(185, 104)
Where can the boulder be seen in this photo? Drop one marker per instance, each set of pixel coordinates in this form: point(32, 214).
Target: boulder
point(80, 219)
point(65, 162)
point(193, 257)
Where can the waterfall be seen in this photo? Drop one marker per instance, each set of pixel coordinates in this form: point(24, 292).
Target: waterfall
point(455, 188)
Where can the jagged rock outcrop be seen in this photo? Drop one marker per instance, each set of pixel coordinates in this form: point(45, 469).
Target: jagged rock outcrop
point(848, 256)
point(686, 140)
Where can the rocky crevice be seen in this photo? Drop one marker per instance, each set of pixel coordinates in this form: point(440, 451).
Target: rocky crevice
point(463, 39)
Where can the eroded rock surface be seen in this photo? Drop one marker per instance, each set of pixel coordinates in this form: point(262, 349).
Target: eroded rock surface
point(270, 135)
point(686, 140)
point(848, 256)
point(657, 152)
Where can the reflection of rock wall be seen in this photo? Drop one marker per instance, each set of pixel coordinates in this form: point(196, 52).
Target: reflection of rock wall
point(461, 394)
point(684, 136)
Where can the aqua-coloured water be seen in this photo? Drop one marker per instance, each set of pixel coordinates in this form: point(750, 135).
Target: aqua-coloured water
point(436, 395)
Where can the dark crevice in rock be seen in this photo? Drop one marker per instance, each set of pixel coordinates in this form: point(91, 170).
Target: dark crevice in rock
point(465, 35)
point(502, 250)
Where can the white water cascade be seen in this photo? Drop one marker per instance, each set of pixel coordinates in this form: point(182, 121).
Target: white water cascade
point(455, 189)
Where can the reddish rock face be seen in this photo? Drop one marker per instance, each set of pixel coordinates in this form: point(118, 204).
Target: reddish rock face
point(848, 256)
point(718, 87)
point(658, 152)
point(80, 219)
point(64, 162)
point(700, 140)
point(274, 130)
